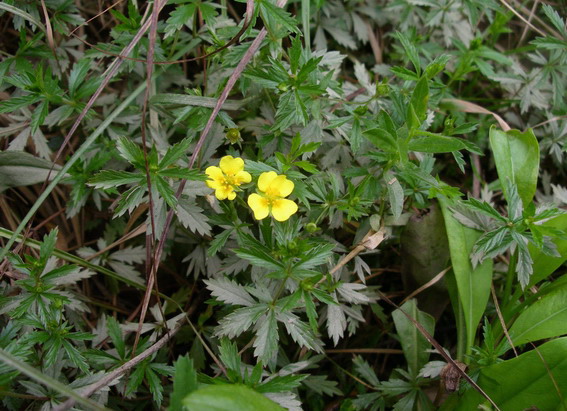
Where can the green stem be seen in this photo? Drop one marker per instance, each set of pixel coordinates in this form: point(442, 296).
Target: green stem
point(510, 277)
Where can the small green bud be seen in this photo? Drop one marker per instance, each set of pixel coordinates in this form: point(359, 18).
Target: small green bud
point(307, 285)
point(311, 227)
point(361, 110)
point(382, 90)
point(283, 87)
point(233, 135)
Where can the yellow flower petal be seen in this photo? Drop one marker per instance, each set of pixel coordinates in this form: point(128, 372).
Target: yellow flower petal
point(283, 209)
point(281, 186)
point(259, 205)
point(265, 180)
point(214, 173)
point(222, 193)
point(231, 166)
point(242, 177)
point(214, 184)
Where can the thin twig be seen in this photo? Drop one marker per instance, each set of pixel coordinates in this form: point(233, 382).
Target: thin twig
point(427, 285)
point(501, 318)
point(370, 241)
point(551, 376)
point(151, 238)
point(108, 378)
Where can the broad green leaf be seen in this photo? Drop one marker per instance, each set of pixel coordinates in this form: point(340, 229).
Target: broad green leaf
point(184, 382)
point(436, 144)
point(228, 398)
point(382, 139)
point(414, 344)
point(419, 99)
point(355, 136)
point(18, 168)
point(425, 252)
point(545, 318)
point(530, 380)
point(395, 195)
point(516, 155)
point(473, 285)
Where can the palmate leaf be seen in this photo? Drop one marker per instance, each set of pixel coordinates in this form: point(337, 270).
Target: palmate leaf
point(336, 322)
point(484, 208)
point(491, 244)
point(274, 15)
point(113, 178)
point(131, 152)
point(266, 343)
point(281, 383)
point(300, 331)
point(291, 110)
point(230, 292)
point(315, 257)
point(165, 190)
point(130, 199)
point(240, 320)
point(258, 254)
point(174, 153)
point(524, 264)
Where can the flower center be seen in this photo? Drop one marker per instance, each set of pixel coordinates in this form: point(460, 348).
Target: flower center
point(270, 199)
point(229, 181)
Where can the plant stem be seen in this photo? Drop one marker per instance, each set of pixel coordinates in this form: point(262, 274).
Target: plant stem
point(510, 277)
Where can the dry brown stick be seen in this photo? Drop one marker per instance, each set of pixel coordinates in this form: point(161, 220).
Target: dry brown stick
point(370, 241)
point(134, 233)
point(525, 31)
point(150, 238)
point(426, 285)
point(550, 374)
point(376, 50)
point(501, 318)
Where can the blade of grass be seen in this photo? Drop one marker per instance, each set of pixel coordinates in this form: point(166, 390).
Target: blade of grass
point(24, 15)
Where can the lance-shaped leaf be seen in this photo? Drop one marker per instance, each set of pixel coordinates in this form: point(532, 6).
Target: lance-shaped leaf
point(516, 155)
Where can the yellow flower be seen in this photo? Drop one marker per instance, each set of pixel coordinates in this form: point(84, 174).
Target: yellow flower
point(225, 179)
point(273, 188)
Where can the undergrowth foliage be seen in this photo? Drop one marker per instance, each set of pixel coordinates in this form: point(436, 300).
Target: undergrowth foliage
point(230, 228)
